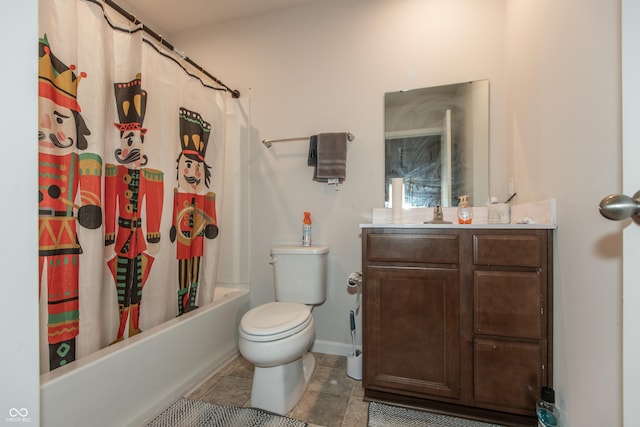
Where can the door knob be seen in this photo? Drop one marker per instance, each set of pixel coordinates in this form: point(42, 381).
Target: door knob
point(618, 207)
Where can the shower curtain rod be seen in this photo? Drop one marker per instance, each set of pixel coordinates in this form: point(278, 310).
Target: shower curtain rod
point(234, 93)
point(268, 142)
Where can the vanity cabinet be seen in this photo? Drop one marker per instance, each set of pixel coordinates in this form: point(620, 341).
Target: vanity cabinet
point(458, 319)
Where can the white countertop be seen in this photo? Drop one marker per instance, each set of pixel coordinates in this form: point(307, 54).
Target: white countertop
point(475, 226)
point(535, 215)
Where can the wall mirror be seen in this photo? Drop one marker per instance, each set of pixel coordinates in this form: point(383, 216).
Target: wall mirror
point(437, 140)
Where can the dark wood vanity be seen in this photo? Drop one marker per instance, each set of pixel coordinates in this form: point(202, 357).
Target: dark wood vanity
point(458, 319)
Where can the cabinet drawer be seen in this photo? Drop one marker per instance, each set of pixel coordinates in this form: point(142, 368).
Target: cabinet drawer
point(507, 250)
point(439, 249)
point(507, 304)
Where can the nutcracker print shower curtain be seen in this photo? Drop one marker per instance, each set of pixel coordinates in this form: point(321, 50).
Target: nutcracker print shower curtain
point(131, 149)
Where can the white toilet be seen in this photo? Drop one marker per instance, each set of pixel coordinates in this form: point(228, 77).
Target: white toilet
point(276, 337)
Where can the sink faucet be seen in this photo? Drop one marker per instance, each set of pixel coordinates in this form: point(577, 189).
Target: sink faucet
point(438, 218)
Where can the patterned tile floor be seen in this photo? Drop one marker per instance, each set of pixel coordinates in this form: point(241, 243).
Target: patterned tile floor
point(331, 400)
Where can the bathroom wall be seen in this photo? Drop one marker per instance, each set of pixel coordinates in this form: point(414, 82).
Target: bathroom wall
point(554, 73)
point(563, 112)
point(325, 66)
point(19, 371)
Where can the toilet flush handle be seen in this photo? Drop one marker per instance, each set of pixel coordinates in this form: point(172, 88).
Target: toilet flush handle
point(273, 260)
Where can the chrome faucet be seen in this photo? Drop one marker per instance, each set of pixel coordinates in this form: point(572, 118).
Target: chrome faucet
point(438, 217)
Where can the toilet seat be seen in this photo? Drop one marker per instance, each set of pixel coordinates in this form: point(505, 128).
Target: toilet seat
point(274, 321)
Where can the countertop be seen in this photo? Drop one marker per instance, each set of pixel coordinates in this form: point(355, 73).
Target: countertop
point(476, 226)
point(535, 215)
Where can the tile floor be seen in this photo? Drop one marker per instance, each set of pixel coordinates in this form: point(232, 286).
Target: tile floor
point(331, 400)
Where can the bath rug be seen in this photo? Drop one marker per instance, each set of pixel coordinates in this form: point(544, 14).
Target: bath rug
point(194, 413)
point(381, 415)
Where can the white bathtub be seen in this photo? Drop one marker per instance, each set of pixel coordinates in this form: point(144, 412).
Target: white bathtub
point(125, 383)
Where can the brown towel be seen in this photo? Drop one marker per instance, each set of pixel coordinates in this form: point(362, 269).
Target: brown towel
point(331, 157)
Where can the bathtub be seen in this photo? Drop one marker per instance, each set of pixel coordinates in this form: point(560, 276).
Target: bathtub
point(126, 383)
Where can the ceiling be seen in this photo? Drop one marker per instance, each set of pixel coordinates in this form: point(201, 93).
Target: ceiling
point(170, 16)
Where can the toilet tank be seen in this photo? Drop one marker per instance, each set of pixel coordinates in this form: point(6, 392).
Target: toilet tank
point(300, 273)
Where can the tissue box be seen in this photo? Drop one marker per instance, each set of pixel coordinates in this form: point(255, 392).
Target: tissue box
point(498, 213)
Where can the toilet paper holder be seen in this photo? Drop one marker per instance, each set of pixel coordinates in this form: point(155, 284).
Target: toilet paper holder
point(355, 279)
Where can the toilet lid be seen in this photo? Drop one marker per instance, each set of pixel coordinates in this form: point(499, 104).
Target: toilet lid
point(274, 320)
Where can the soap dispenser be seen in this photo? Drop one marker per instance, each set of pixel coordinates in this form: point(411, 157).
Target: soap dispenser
point(465, 212)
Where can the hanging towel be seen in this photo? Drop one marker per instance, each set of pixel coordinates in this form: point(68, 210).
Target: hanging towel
point(331, 162)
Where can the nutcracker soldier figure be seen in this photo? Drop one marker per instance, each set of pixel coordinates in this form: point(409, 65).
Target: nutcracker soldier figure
point(62, 174)
point(130, 187)
point(194, 211)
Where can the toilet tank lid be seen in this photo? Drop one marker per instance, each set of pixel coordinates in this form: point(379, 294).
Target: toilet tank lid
point(299, 249)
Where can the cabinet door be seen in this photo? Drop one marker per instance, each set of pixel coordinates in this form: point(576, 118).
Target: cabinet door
point(509, 344)
point(412, 330)
point(507, 374)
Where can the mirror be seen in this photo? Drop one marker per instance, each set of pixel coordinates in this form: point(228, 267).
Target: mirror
point(437, 140)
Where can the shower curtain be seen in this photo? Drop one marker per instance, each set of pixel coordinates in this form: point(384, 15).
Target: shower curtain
point(131, 150)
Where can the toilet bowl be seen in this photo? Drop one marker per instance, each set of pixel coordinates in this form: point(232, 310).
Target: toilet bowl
point(276, 338)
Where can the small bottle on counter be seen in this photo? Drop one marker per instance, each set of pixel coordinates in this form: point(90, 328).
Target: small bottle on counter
point(306, 229)
point(465, 212)
point(546, 410)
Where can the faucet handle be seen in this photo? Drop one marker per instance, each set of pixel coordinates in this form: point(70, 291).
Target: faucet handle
point(437, 212)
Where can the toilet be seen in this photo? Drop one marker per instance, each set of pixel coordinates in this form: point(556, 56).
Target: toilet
point(276, 337)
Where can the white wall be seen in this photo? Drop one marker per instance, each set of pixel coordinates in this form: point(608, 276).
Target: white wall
point(563, 74)
point(555, 128)
point(554, 71)
point(325, 66)
point(19, 215)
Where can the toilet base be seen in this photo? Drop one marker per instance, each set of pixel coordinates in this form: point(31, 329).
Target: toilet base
point(279, 388)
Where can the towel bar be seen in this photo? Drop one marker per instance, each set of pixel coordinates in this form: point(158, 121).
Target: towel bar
point(268, 142)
